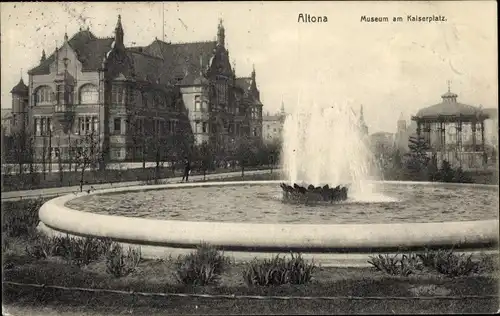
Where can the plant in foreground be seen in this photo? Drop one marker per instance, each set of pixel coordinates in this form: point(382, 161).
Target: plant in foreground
point(43, 247)
point(201, 267)
point(20, 218)
point(278, 271)
point(119, 262)
point(395, 265)
point(449, 263)
point(79, 251)
point(82, 251)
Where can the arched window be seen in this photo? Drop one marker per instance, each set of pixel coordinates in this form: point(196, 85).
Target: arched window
point(89, 94)
point(43, 95)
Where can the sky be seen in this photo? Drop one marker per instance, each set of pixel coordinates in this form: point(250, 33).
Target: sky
point(392, 69)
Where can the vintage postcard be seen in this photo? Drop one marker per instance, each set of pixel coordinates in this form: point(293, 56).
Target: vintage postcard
point(274, 157)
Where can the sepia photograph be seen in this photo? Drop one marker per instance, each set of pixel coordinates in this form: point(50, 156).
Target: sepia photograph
point(244, 157)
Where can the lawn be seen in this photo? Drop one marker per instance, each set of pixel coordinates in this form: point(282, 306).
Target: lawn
point(465, 286)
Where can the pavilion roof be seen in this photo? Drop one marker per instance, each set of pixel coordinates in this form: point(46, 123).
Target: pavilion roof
point(449, 107)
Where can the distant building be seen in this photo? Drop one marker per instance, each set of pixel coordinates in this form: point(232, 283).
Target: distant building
point(272, 126)
point(403, 134)
point(139, 101)
point(6, 121)
point(491, 127)
point(382, 140)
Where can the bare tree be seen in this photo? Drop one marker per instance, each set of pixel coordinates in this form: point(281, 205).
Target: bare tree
point(245, 153)
point(204, 153)
point(59, 161)
point(20, 147)
point(87, 154)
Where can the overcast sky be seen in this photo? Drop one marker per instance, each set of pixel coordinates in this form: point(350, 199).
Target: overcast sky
point(388, 67)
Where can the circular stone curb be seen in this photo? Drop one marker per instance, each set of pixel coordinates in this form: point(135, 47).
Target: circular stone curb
point(321, 239)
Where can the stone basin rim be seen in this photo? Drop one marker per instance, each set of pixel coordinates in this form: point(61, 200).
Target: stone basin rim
point(56, 215)
point(62, 200)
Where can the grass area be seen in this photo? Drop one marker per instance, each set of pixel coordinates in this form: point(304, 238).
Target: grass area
point(91, 263)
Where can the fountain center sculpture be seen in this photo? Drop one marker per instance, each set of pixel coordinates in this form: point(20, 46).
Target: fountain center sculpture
point(325, 149)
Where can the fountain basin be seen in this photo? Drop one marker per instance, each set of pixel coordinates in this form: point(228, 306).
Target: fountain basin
point(315, 239)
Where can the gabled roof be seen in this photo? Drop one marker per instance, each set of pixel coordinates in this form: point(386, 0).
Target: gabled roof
point(20, 88)
point(89, 49)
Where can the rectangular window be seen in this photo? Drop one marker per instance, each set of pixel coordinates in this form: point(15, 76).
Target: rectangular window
point(197, 103)
point(37, 127)
point(204, 127)
point(204, 106)
point(60, 94)
point(87, 124)
point(131, 95)
point(95, 124)
point(50, 127)
point(118, 94)
point(162, 127)
point(169, 126)
point(174, 126)
point(145, 99)
point(81, 124)
point(42, 126)
point(117, 125)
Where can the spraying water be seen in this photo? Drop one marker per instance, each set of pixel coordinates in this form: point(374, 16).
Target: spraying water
point(325, 145)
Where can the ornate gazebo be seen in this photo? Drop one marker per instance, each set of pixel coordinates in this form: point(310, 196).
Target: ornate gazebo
point(451, 131)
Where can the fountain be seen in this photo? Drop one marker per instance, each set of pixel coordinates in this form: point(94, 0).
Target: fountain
point(325, 148)
point(325, 159)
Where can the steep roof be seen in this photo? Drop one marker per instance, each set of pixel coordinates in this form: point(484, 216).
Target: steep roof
point(147, 67)
point(244, 83)
point(182, 60)
point(89, 49)
point(20, 88)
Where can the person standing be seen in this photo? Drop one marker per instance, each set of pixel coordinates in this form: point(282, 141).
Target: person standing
point(187, 168)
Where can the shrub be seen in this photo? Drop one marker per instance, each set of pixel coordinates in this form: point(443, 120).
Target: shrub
point(81, 251)
point(393, 265)
point(278, 271)
point(43, 247)
point(449, 263)
point(201, 267)
point(120, 263)
point(20, 218)
point(5, 242)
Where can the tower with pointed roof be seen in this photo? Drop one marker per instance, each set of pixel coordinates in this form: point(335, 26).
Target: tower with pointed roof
point(43, 58)
point(20, 95)
point(221, 34)
point(119, 32)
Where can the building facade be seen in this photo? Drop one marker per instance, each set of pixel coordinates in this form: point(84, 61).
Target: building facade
point(140, 102)
point(272, 126)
